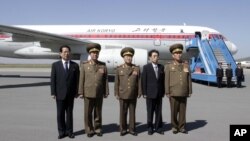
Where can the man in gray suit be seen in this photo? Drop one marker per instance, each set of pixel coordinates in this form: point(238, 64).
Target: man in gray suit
point(178, 86)
point(93, 87)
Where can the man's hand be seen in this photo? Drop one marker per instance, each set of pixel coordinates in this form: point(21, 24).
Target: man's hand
point(81, 96)
point(167, 95)
point(138, 96)
point(117, 97)
point(53, 96)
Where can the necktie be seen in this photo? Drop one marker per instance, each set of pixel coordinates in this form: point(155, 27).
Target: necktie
point(66, 67)
point(156, 71)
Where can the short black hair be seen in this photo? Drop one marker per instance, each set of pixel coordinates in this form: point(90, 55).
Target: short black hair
point(152, 51)
point(64, 46)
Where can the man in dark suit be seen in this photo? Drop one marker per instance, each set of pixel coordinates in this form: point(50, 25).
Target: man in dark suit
point(153, 91)
point(239, 74)
point(219, 75)
point(64, 87)
point(93, 87)
point(229, 75)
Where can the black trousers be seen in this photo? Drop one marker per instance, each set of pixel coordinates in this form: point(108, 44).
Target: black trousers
point(65, 108)
point(239, 79)
point(219, 81)
point(229, 81)
point(154, 107)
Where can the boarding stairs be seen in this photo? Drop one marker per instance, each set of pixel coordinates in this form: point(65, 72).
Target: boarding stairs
point(211, 52)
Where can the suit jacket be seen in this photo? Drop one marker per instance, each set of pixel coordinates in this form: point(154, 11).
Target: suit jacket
point(178, 79)
point(127, 82)
point(64, 84)
point(151, 86)
point(93, 82)
point(219, 72)
point(239, 72)
point(229, 72)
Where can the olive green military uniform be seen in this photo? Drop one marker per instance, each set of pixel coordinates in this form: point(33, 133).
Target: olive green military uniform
point(93, 85)
point(178, 86)
point(127, 88)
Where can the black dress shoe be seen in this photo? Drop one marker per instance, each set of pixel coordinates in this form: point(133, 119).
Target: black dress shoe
point(71, 135)
point(184, 131)
point(99, 134)
point(123, 133)
point(90, 135)
point(150, 132)
point(175, 131)
point(133, 133)
point(160, 132)
point(61, 136)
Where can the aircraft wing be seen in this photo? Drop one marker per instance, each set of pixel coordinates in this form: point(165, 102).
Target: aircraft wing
point(47, 40)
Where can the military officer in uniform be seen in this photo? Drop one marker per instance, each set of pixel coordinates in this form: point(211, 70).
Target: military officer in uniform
point(178, 86)
point(239, 74)
point(127, 90)
point(93, 87)
point(219, 74)
point(229, 75)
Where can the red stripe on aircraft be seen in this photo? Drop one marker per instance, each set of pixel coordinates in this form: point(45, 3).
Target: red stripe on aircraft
point(4, 36)
point(132, 36)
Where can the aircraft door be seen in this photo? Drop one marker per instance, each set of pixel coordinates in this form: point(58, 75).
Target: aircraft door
point(204, 34)
point(157, 42)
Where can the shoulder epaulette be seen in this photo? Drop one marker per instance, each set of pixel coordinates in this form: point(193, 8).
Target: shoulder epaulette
point(84, 62)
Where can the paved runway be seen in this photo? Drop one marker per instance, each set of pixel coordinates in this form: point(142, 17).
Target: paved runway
point(27, 112)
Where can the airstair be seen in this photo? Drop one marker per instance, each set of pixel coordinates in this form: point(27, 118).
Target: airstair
point(211, 52)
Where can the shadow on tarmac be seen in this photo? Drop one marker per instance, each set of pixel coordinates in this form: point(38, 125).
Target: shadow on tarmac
point(109, 128)
point(25, 85)
point(196, 124)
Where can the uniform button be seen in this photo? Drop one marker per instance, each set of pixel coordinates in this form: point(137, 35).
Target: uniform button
point(128, 87)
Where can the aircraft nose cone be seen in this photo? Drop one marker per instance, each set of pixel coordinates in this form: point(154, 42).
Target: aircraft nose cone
point(234, 48)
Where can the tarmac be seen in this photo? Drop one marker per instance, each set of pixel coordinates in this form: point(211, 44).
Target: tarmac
point(28, 113)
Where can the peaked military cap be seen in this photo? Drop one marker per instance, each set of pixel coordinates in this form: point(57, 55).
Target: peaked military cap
point(127, 51)
point(93, 47)
point(176, 48)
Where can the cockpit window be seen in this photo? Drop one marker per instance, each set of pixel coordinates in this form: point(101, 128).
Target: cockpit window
point(219, 36)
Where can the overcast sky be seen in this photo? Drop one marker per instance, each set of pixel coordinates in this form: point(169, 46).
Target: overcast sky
point(231, 18)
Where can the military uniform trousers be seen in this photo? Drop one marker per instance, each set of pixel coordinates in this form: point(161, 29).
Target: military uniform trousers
point(178, 112)
point(93, 105)
point(125, 106)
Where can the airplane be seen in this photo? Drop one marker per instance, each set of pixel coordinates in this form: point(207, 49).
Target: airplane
point(43, 41)
point(245, 64)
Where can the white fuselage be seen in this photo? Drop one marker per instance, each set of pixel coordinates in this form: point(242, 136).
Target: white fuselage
point(146, 37)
